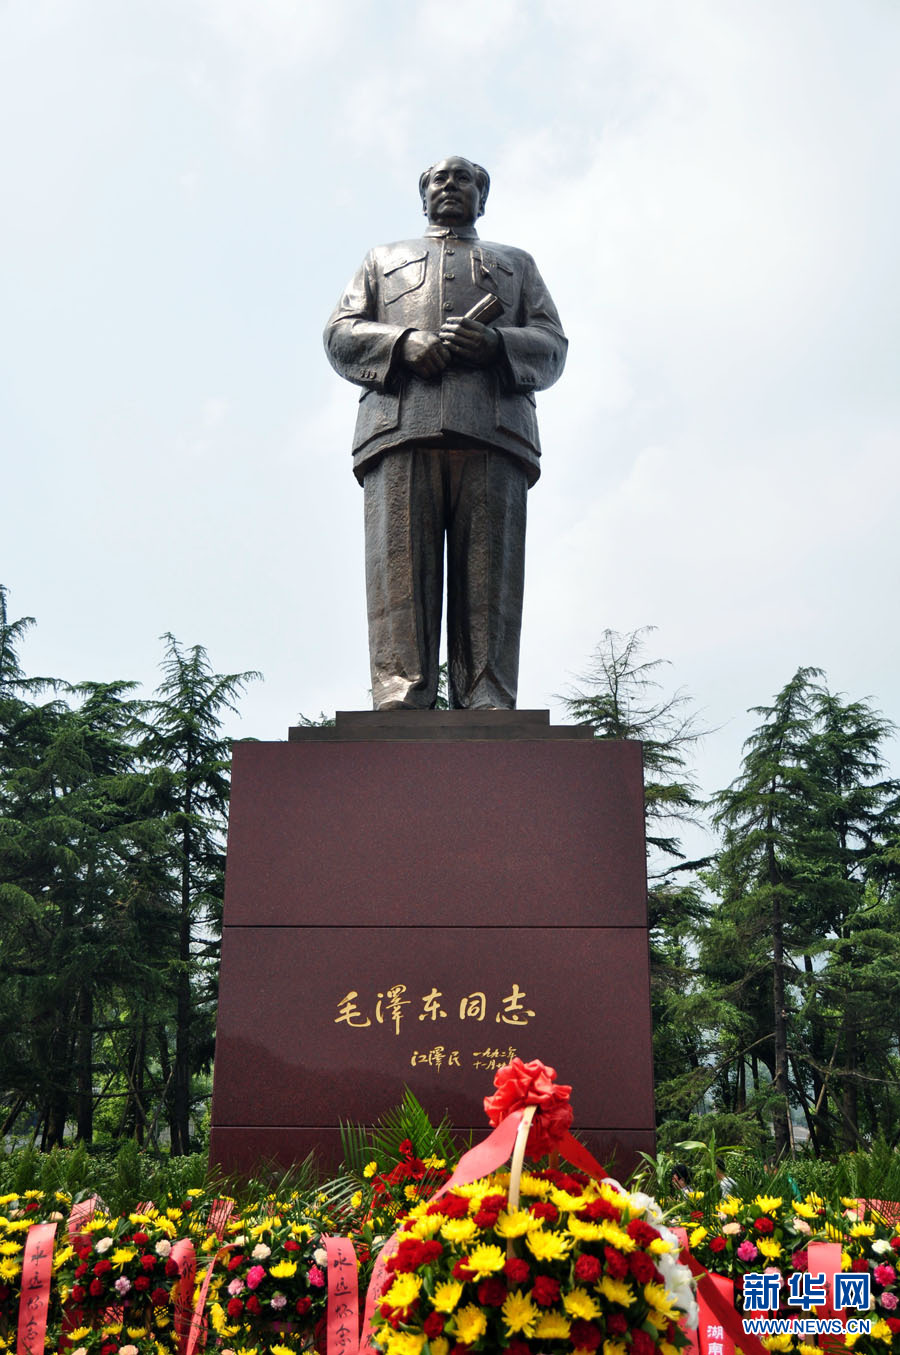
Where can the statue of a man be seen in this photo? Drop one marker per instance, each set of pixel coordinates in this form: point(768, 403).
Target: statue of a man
point(449, 336)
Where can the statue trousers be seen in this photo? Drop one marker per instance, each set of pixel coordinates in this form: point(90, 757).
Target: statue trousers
point(415, 499)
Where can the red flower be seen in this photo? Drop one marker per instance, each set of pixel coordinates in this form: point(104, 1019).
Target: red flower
point(433, 1326)
point(29, 1208)
point(600, 1209)
point(452, 1206)
point(641, 1343)
point(81, 1270)
point(102, 1267)
point(486, 1218)
point(544, 1209)
point(642, 1233)
point(616, 1324)
point(894, 1324)
point(587, 1269)
point(800, 1260)
point(239, 1260)
point(235, 1307)
point(172, 1268)
point(717, 1244)
point(461, 1271)
point(586, 1335)
point(516, 1270)
point(641, 1267)
point(696, 1215)
point(140, 1239)
point(108, 1348)
point(764, 1225)
point(148, 1262)
point(79, 1293)
point(291, 1244)
point(895, 1243)
point(406, 1149)
point(303, 1305)
point(545, 1291)
point(142, 1282)
point(518, 1348)
point(96, 1288)
point(253, 1304)
point(616, 1263)
point(159, 1298)
point(491, 1293)
point(532, 1084)
point(459, 1349)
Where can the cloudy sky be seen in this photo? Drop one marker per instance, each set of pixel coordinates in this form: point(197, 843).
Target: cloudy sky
point(711, 190)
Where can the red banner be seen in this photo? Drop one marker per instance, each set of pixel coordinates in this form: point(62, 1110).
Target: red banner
point(37, 1269)
point(343, 1296)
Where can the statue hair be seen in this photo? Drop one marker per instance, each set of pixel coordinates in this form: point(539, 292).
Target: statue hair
point(482, 182)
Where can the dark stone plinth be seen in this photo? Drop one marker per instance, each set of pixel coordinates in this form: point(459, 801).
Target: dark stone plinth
point(440, 724)
point(414, 911)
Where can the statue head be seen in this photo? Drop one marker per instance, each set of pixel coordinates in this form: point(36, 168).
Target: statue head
point(454, 191)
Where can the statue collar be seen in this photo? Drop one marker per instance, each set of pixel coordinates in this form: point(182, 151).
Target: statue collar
point(442, 232)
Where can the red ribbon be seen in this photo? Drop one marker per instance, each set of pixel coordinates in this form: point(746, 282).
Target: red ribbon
point(342, 1331)
point(188, 1314)
point(824, 1258)
point(718, 1294)
point(37, 1270)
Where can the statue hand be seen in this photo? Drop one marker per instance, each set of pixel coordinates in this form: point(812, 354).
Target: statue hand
point(424, 353)
point(471, 341)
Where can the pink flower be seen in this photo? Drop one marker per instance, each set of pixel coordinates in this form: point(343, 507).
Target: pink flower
point(315, 1277)
point(255, 1276)
point(885, 1274)
point(888, 1300)
point(122, 1285)
point(235, 1287)
point(746, 1251)
point(800, 1225)
point(278, 1301)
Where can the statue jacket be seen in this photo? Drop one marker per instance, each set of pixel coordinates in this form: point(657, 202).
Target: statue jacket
point(417, 284)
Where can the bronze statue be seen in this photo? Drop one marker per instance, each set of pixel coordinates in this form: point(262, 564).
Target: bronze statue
point(450, 337)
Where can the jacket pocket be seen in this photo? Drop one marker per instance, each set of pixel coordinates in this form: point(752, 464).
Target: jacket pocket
point(491, 274)
point(403, 277)
point(378, 413)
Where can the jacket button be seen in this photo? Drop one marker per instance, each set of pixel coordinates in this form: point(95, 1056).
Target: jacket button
point(450, 251)
point(449, 276)
point(448, 305)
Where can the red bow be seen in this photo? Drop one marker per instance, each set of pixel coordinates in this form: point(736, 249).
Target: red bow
point(532, 1084)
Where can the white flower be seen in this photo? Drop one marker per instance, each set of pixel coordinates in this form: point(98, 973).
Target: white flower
point(163, 1248)
point(320, 1256)
point(881, 1245)
point(261, 1251)
point(103, 1245)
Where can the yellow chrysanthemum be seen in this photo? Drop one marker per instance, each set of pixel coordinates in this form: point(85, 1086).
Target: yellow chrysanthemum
point(567, 1203)
point(614, 1348)
point(660, 1247)
point(460, 1230)
point(78, 1334)
point(434, 1163)
point(210, 1243)
point(851, 1338)
point(98, 1224)
point(768, 1203)
point(730, 1206)
point(514, 1223)
point(846, 1261)
point(370, 1169)
point(404, 1290)
point(32, 1194)
point(534, 1185)
point(9, 1269)
point(485, 1260)
point(552, 1326)
point(656, 1296)
point(806, 1211)
point(112, 1329)
point(667, 1348)
point(447, 1295)
point(783, 1342)
point(519, 1314)
point(356, 1199)
point(283, 1270)
point(806, 1349)
point(426, 1227)
point(881, 1331)
point(616, 1236)
point(863, 1230)
point(281, 1350)
point(585, 1231)
point(611, 1195)
point(137, 1333)
point(217, 1318)
point(173, 1214)
point(617, 1291)
point(440, 1346)
point(697, 1236)
point(10, 1248)
point(405, 1343)
point(835, 1234)
point(469, 1324)
point(579, 1303)
point(769, 1247)
point(548, 1246)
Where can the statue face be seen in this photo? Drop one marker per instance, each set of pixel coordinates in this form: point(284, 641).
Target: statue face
point(452, 197)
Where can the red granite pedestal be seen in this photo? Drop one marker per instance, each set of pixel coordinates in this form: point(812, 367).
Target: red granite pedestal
point(412, 899)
